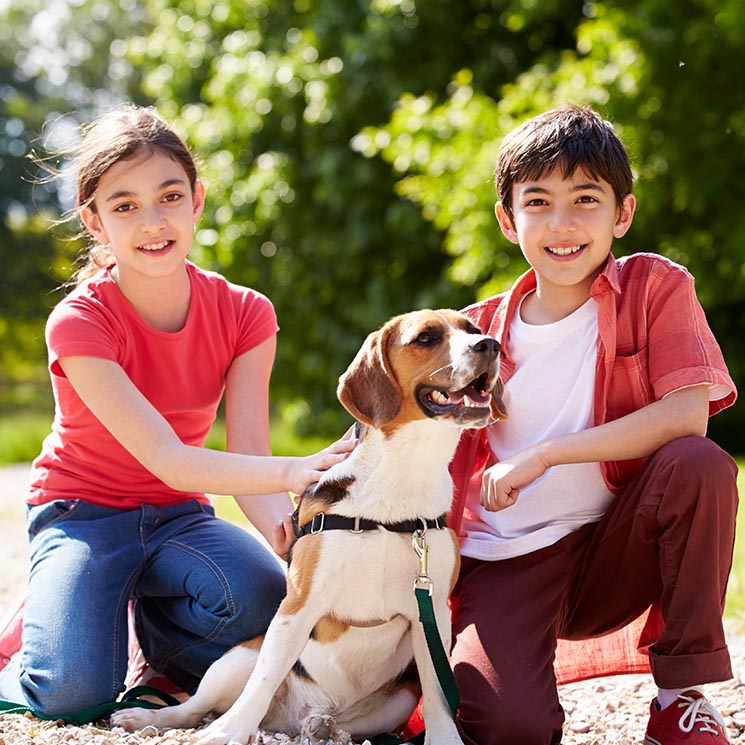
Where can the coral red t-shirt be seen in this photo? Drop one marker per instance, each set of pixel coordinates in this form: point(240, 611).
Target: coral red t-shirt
point(182, 374)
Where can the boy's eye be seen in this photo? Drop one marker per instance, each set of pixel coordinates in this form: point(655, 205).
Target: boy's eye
point(587, 199)
point(536, 202)
point(173, 197)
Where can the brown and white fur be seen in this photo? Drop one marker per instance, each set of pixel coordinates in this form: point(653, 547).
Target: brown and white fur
point(339, 650)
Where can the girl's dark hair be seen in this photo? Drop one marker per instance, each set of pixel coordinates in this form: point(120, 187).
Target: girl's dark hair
point(568, 138)
point(119, 134)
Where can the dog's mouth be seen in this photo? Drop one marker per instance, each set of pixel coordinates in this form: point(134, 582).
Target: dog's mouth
point(469, 404)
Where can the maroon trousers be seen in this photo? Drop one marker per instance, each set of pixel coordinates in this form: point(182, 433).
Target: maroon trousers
point(667, 538)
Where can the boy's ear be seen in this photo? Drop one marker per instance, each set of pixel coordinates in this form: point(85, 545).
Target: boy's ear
point(505, 223)
point(625, 216)
point(92, 222)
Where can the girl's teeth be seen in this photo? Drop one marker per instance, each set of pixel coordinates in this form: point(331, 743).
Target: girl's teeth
point(564, 251)
point(155, 246)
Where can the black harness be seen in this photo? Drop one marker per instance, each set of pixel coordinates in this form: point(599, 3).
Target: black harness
point(321, 521)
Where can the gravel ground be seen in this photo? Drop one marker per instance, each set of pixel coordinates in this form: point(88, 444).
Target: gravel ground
point(600, 711)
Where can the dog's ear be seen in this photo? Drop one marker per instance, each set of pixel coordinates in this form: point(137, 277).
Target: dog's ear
point(368, 389)
point(498, 410)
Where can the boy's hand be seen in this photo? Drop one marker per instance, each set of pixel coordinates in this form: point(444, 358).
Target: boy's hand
point(502, 482)
point(302, 472)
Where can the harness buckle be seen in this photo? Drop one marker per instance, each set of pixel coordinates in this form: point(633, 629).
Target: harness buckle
point(423, 580)
point(317, 528)
point(356, 528)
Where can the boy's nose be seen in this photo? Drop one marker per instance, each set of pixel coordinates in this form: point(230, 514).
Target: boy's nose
point(561, 219)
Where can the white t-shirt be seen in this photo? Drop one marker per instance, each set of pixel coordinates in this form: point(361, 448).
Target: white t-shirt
point(550, 394)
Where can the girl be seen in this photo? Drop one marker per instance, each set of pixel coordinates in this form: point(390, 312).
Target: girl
point(140, 354)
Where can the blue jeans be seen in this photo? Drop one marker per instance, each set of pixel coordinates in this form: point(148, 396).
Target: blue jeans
point(200, 585)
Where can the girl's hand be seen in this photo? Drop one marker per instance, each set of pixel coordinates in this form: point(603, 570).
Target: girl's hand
point(502, 482)
point(302, 472)
point(283, 537)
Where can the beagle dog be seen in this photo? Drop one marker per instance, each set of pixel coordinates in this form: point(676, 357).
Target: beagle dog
point(339, 652)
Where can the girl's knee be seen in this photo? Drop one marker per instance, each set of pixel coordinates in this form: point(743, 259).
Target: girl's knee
point(60, 697)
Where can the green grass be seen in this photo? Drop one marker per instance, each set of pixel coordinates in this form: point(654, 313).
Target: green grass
point(21, 435)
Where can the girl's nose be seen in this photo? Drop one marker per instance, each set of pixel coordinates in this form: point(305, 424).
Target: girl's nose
point(152, 219)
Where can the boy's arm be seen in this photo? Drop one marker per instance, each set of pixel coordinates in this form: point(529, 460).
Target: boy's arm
point(636, 435)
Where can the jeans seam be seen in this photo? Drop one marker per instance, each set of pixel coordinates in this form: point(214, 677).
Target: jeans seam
point(222, 622)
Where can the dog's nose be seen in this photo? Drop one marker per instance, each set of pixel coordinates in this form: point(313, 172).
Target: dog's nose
point(487, 346)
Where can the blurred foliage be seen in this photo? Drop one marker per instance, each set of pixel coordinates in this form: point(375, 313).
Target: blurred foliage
point(348, 148)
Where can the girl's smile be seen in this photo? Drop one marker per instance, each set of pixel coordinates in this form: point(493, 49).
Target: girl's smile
point(145, 210)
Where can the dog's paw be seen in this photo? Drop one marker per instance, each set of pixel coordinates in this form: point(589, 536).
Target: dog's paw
point(222, 732)
point(133, 719)
point(318, 727)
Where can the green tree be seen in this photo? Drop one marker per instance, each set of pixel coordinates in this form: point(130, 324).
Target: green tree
point(58, 62)
point(665, 76)
point(348, 147)
point(273, 95)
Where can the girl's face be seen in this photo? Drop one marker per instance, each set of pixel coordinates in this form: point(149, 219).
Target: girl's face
point(145, 211)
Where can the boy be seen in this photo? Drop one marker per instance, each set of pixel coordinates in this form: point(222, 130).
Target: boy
point(600, 495)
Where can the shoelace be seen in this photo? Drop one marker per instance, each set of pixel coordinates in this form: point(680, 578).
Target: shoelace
point(700, 711)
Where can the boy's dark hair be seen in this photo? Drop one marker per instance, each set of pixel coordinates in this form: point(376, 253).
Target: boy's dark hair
point(569, 138)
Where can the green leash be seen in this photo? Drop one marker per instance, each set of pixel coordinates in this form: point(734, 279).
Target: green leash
point(423, 593)
point(131, 699)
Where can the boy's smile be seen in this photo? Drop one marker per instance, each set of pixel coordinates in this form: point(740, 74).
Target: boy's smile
point(565, 228)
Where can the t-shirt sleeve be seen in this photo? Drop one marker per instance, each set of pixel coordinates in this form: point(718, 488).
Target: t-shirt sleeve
point(257, 320)
point(683, 351)
point(77, 328)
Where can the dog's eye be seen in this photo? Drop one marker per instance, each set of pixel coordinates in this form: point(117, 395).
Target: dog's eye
point(471, 329)
point(427, 338)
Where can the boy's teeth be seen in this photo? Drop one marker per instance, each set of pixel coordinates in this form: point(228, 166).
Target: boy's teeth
point(564, 251)
point(155, 246)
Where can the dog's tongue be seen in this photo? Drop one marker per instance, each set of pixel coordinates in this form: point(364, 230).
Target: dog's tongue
point(478, 397)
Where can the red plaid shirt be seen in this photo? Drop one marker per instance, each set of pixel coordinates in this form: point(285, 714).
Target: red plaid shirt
point(653, 340)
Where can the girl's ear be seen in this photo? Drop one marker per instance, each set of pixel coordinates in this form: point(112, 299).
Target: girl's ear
point(197, 198)
point(505, 223)
point(93, 224)
point(625, 216)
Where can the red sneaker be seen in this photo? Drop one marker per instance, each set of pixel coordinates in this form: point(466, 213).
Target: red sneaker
point(690, 720)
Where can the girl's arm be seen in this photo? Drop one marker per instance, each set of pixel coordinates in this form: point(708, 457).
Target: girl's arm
point(636, 435)
point(134, 422)
point(247, 420)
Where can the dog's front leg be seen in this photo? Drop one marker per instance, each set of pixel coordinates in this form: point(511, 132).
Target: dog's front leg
point(285, 639)
point(438, 720)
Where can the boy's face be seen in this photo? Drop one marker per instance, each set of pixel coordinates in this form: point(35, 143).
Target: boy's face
point(565, 227)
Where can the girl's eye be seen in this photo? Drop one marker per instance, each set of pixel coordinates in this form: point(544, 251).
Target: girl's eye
point(123, 208)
